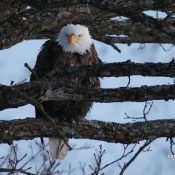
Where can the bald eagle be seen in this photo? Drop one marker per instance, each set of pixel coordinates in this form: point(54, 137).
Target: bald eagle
point(72, 46)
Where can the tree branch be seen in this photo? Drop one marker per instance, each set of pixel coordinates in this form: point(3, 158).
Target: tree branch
point(123, 69)
point(126, 165)
point(110, 4)
point(43, 20)
point(29, 128)
point(11, 97)
point(10, 171)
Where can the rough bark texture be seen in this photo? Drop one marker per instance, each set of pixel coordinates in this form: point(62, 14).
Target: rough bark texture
point(124, 69)
point(43, 20)
point(19, 95)
point(111, 132)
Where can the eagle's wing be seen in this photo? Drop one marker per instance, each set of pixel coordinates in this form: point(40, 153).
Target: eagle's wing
point(45, 63)
point(46, 59)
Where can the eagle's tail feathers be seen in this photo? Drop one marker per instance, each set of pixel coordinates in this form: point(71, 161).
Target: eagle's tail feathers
point(58, 148)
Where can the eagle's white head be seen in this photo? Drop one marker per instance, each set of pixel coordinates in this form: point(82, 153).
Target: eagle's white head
point(74, 39)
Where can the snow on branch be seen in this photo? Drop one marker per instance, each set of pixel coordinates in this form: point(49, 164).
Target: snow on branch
point(26, 20)
point(109, 5)
point(30, 128)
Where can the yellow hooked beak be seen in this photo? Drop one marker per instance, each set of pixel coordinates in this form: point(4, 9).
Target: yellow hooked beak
point(73, 39)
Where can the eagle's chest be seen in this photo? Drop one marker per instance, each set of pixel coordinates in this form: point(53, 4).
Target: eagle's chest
point(74, 59)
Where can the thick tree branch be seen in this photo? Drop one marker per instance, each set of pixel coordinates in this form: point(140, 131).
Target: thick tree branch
point(111, 132)
point(124, 69)
point(109, 4)
point(43, 20)
point(14, 96)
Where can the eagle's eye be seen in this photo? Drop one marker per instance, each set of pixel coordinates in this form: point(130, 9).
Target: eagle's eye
point(80, 35)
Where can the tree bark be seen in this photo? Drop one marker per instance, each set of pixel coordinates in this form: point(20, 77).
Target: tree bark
point(116, 5)
point(30, 128)
point(21, 20)
point(127, 68)
point(33, 92)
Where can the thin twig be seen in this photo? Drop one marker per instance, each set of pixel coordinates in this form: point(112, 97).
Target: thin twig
point(124, 154)
point(146, 109)
point(172, 143)
point(129, 81)
point(126, 165)
point(32, 71)
point(15, 171)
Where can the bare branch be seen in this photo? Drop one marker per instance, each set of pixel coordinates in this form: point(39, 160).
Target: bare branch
point(172, 143)
point(98, 161)
point(13, 162)
point(27, 20)
point(127, 68)
point(124, 154)
point(109, 4)
point(42, 91)
point(111, 132)
point(8, 170)
point(32, 71)
point(126, 165)
point(146, 110)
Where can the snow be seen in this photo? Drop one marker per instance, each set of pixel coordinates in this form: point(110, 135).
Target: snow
point(153, 162)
